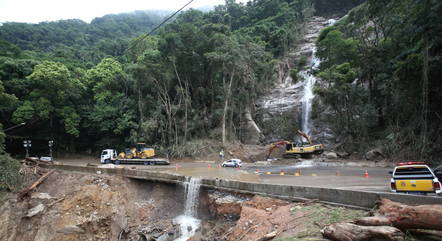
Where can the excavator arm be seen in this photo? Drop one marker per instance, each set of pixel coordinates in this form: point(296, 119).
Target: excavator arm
point(276, 145)
point(305, 136)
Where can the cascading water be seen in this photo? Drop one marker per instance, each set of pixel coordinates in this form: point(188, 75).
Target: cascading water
point(308, 94)
point(189, 222)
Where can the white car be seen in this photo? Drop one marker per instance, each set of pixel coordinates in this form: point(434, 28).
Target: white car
point(232, 163)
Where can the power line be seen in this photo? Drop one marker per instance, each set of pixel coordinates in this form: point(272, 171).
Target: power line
point(159, 25)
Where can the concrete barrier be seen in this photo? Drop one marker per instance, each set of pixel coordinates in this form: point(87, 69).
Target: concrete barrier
point(359, 199)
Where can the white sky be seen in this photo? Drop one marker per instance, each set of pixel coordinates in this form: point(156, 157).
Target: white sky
point(34, 11)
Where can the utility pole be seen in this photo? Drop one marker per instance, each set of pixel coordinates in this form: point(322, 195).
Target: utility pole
point(27, 144)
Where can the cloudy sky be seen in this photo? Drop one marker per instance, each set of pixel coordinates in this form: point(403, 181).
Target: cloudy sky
point(33, 11)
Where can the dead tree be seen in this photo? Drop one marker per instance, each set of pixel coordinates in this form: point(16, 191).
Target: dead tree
point(404, 216)
point(352, 232)
point(34, 185)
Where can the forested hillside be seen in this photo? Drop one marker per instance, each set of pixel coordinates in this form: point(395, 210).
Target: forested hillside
point(383, 63)
point(81, 87)
point(75, 42)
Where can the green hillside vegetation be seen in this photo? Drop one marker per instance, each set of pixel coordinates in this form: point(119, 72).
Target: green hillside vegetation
point(382, 63)
point(80, 85)
point(75, 42)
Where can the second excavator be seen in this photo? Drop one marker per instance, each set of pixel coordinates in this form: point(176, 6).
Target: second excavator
point(304, 147)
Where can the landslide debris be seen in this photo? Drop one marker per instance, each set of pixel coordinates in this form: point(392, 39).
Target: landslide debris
point(72, 206)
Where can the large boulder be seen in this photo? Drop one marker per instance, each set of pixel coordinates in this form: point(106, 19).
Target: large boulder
point(331, 155)
point(226, 205)
point(374, 154)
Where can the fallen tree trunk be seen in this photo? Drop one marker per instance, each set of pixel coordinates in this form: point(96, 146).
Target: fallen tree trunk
point(352, 232)
point(405, 217)
point(34, 185)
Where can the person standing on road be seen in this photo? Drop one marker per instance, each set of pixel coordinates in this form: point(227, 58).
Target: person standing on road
point(221, 155)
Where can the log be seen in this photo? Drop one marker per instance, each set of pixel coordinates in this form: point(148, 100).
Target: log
point(404, 216)
point(373, 221)
point(353, 232)
point(34, 185)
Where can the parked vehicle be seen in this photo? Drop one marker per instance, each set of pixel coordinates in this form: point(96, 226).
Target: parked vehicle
point(111, 156)
point(232, 163)
point(414, 177)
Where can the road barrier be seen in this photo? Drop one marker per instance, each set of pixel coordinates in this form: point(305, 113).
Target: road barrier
point(359, 199)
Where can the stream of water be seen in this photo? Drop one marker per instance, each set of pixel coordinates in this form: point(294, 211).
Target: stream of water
point(308, 94)
point(189, 222)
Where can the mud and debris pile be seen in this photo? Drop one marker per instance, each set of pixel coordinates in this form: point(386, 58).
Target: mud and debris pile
point(71, 206)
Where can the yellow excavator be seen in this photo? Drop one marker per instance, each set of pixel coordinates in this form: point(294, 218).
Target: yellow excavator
point(301, 148)
point(138, 152)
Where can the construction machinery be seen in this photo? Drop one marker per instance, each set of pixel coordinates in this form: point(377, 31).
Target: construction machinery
point(304, 147)
point(138, 152)
point(136, 155)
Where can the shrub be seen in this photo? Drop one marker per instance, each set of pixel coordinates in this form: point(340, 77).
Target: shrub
point(302, 62)
point(10, 177)
point(294, 75)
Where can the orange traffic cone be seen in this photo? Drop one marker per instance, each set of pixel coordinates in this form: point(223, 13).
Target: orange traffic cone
point(366, 174)
point(257, 171)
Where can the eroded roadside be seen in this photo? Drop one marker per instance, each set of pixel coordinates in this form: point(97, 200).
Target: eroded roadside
point(75, 206)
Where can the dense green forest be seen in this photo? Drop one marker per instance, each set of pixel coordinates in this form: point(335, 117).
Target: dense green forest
point(107, 84)
point(383, 64)
point(89, 86)
point(76, 43)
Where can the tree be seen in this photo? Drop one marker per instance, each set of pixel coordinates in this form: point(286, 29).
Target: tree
point(53, 97)
point(112, 116)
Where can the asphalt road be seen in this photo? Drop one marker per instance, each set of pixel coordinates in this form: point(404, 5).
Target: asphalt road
point(306, 173)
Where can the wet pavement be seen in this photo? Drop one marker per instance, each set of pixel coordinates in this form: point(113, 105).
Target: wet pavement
point(306, 173)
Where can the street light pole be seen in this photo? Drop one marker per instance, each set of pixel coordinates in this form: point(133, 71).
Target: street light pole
point(27, 144)
point(51, 143)
point(13, 127)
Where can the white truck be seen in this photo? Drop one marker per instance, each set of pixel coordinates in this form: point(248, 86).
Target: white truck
point(111, 156)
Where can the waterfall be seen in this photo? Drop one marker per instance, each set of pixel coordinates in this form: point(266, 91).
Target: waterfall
point(308, 94)
point(189, 222)
point(192, 195)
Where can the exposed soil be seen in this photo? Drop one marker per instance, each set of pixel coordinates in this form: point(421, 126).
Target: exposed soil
point(90, 207)
point(262, 217)
point(76, 206)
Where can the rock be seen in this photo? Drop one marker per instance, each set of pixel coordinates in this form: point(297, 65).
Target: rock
point(35, 210)
point(343, 154)
point(41, 195)
point(331, 155)
point(225, 204)
point(70, 229)
point(374, 154)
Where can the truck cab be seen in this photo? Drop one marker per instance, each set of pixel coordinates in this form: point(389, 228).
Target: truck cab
point(108, 155)
point(414, 177)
